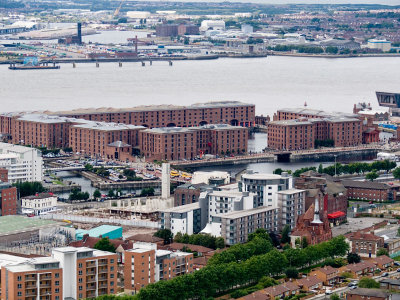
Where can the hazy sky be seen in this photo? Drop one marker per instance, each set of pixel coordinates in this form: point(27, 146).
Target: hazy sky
point(387, 2)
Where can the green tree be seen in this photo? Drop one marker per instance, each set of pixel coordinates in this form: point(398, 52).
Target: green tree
point(88, 167)
point(398, 231)
point(368, 283)
point(96, 194)
point(353, 258)
point(105, 245)
point(219, 243)
point(320, 169)
point(147, 192)
point(304, 242)
point(372, 176)
point(164, 234)
point(382, 251)
point(334, 297)
point(285, 234)
point(111, 194)
point(29, 188)
point(291, 273)
point(396, 173)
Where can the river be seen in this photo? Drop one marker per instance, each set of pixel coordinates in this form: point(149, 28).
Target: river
point(270, 83)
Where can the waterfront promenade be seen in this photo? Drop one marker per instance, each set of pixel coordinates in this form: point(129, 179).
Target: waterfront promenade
point(298, 155)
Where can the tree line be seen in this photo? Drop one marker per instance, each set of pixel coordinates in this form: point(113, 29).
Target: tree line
point(352, 168)
point(205, 240)
point(241, 265)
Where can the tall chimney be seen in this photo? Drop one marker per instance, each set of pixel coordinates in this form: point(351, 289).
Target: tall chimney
point(79, 33)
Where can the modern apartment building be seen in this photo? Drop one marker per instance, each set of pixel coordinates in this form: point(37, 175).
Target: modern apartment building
point(187, 218)
point(265, 186)
point(96, 138)
point(22, 163)
point(174, 143)
point(236, 226)
point(145, 264)
point(291, 205)
point(86, 272)
point(218, 112)
point(31, 279)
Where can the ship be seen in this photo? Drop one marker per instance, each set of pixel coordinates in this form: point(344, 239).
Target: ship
point(32, 63)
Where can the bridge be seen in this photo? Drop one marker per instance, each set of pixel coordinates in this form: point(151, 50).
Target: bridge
point(82, 168)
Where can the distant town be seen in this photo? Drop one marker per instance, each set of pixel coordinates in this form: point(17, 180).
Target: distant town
point(56, 32)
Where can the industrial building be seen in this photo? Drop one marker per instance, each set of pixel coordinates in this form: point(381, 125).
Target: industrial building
point(175, 143)
point(218, 112)
point(109, 231)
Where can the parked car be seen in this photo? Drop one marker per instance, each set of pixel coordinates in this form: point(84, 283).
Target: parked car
point(328, 292)
point(353, 287)
point(386, 274)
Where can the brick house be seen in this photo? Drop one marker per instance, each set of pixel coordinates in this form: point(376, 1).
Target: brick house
point(390, 284)
point(383, 262)
point(359, 269)
point(310, 283)
point(327, 274)
point(364, 244)
point(369, 190)
point(370, 294)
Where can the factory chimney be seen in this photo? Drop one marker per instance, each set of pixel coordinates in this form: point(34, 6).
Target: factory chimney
point(79, 33)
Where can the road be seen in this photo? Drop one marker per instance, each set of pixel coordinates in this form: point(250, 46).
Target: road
point(346, 288)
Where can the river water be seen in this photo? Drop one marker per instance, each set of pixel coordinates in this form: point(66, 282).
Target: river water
point(270, 83)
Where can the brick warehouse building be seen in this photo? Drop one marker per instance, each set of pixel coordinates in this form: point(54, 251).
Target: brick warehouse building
point(372, 191)
point(221, 112)
point(185, 143)
point(299, 134)
point(94, 138)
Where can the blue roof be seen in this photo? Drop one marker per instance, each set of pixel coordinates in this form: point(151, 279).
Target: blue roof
point(102, 230)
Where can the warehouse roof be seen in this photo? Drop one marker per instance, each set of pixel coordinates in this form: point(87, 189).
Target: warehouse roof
point(13, 224)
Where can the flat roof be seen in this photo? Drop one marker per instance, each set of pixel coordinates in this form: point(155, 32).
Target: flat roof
point(212, 104)
point(15, 224)
point(183, 208)
point(106, 126)
point(192, 129)
point(244, 213)
point(290, 191)
point(262, 176)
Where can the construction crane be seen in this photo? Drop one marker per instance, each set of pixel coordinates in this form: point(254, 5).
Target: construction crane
point(116, 12)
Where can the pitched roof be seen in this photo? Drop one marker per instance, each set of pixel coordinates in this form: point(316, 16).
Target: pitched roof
point(147, 238)
point(259, 295)
point(365, 185)
point(368, 292)
point(360, 266)
point(383, 260)
point(196, 248)
point(90, 242)
point(360, 235)
point(309, 281)
point(291, 286)
point(391, 281)
point(327, 270)
point(276, 290)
